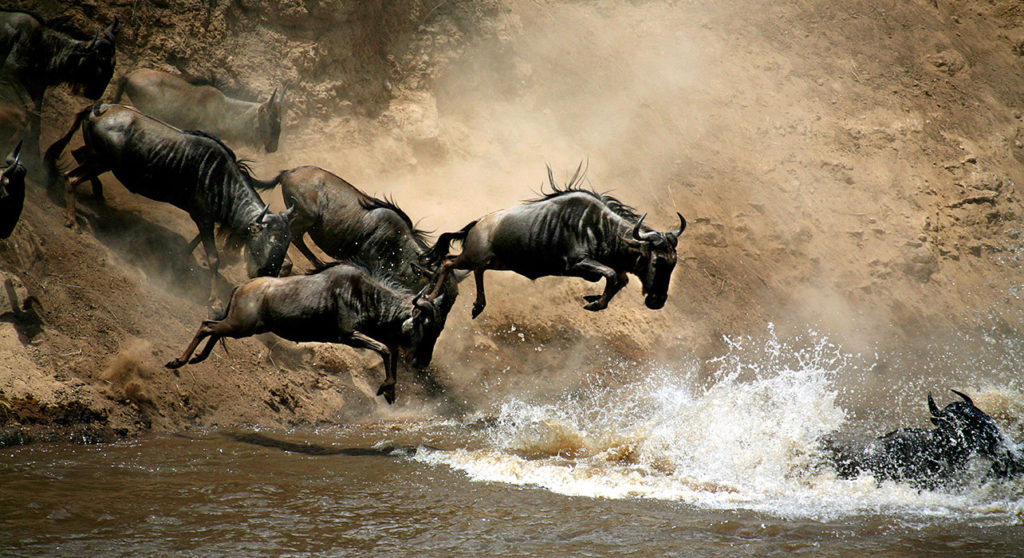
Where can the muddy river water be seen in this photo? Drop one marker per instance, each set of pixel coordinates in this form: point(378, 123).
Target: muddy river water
point(652, 468)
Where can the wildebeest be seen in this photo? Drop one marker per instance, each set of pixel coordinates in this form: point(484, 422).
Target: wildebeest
point(341, 304)
point(204, 107)
point(931, 458)
point(190, 170)
point(12, 192)
point(570, 232)
point(348, 224)
point(37, 57)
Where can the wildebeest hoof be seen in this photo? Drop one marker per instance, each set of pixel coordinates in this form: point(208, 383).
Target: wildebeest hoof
point(176, 363)
point(388, 391)
point(592, 298)
point(595, 306)
point(477, 308)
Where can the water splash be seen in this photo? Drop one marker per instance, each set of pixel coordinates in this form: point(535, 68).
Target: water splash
point(747, 437)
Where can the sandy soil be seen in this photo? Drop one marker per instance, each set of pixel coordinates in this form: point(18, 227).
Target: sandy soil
point(849, 169)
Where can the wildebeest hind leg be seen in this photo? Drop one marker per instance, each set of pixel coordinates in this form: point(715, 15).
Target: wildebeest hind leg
point(207, 349)
point(76, 176)
point(204, 330)
point(212, 259)
point(481, 298)
point(81, 156)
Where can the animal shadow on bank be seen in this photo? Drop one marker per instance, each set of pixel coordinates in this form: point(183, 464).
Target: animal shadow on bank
point(157, 251)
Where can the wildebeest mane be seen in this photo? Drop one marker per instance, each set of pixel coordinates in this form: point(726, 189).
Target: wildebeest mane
point(241, 164)
point(575, 184)
point(370, 203)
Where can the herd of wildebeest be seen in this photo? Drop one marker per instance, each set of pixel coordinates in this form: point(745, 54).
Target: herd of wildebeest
point(389, 287)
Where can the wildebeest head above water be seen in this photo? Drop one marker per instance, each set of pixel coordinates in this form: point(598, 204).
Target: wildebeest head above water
point(931, 458)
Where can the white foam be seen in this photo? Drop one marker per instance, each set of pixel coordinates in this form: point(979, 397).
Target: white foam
point(749, 439)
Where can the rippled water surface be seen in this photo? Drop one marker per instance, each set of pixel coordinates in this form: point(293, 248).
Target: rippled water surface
point(663, 465)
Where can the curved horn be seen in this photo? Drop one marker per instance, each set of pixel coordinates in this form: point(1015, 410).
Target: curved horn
point(92, 43)
point(287, 213)
point(636, 228)
point(932, 407)
point(266, 209)
point(111, 31)
point(964, 396)
point(682, 226)
point(17, 153)
point(280, 98)
point(416, 299)
point(273, 97)
point(640, 235)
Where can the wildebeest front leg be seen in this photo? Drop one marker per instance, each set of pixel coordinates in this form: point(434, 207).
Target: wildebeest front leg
point(212, 260)
point(361, 341)
point(589, 269)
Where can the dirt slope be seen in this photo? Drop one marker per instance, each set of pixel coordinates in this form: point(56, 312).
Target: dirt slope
point(852, 169)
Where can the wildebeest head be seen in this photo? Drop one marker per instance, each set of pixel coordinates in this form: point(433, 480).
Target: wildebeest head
point(423, 327)
point(13, 176)
point(268, 120)
point(267, 241)
point(968, 429)
point(657, 260)
point(93, 64)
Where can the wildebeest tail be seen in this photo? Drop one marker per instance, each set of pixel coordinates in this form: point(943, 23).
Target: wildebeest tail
point(54, 151)
point(440, 249)
point(263, 185)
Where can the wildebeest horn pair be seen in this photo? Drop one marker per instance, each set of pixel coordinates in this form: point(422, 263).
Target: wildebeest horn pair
point(425, 305)
point(934, 409)
point(109, 34)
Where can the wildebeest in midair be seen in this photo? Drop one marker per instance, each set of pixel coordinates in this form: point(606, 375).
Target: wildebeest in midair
point(12, 192)
point(204, 107)
point(348, 224)
point(36, 56)
point(190, 170)
point(341, 304)
point(931, 458)
point(571, 232)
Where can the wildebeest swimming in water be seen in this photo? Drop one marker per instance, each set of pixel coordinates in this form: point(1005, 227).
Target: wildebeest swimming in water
point(341, 304)
point(932, 458)
point(190, 170)
point(570, 232)
point(12, 192)
point(36, 57)
point(347, 224)
point(203, 107)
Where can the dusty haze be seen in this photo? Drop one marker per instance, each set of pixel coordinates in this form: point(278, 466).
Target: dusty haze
point(849, 171)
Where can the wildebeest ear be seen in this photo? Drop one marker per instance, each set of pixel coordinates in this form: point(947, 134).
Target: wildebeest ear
point(111, 31)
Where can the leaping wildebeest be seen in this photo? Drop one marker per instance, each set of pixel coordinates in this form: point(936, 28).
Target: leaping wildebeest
point(12, 192)
point(36, 56)
point(348, 224)
point(193, 171)
point(571, 232)
point(204, 107)
point(343, 303)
